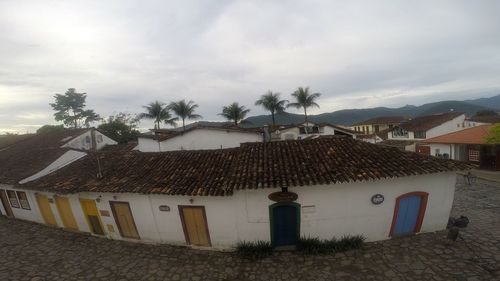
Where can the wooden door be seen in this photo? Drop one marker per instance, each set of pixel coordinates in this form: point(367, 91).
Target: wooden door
point(67, 217)
point(284, 224)
point(422, 149)
point(45, 209)
point(409, 213)
point(5, 203)
point(194, 223)
point(124, 219)
point(92, 216)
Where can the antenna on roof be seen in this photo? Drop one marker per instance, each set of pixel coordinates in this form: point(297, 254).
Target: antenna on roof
point(99, 172)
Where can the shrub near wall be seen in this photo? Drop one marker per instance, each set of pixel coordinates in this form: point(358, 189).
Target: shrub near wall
point(315, 246)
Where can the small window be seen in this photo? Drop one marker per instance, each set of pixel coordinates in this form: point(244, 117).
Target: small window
point(438, 151)
point(420, 134)
point(473, 155)
point(23, 200)
point(87, 139)
point(99, 138)
point(13, 198)
point(458, 125)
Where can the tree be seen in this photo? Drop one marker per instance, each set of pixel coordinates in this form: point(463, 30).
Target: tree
point(304, 99)
point(184, 110)
point(271, 102)
point(234, 112)
point(121, 127)
point(159, 113)
point(486, 112)
point(69, 108)
point(45, 129)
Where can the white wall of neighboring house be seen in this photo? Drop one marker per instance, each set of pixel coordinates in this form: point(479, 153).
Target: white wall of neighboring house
point(200, 139)
point(293, 133)
point(327, 210)
point(448, 127)
point(441, 149)
point(84, 141)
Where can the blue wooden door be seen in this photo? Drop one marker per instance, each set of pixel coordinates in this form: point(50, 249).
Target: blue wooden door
point(407, 216)
point(284, 225)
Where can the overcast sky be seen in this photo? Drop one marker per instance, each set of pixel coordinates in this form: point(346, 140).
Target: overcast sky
point(358, 54)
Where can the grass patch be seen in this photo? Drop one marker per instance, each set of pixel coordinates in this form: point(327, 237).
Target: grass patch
point(254, 250)
point(315, 246)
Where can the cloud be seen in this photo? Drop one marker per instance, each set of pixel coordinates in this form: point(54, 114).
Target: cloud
point(124, 54)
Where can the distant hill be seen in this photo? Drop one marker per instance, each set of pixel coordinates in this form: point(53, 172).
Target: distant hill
point(351, 116)
point(492, 102)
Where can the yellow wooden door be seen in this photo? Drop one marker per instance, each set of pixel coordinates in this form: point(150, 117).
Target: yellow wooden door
point(67, 217)
point(124, 219)
point(92, 216)
point(45, 210)
point(195, 226)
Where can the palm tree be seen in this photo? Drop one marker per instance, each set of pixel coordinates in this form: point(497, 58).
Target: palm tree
point(184, 110)
point(159, 112)
point(271, 102)
point(304, 99)
point(234, 112)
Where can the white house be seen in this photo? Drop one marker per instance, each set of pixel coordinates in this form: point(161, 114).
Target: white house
point(271, 191)
point(311, 129)
point(38, 155)
point(467, 145)
point(198, 136)
point(377, 124)
point(420, 128)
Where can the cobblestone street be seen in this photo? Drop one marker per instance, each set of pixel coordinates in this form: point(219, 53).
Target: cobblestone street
point(35, 252)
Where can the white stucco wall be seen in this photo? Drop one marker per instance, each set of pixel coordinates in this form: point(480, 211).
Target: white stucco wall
point(338, 209)
point(294, 132)
point(200, 139)
point(447, 127)
point(80, 142)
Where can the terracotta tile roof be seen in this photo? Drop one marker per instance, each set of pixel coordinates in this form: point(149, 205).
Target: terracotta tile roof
point(383, 120)
point(485, 119)
point(165, 134)
point(317, 161)
point(8, 140)
point(474, 135)
point(427, 122)
point(401, 144)
point(27, 157)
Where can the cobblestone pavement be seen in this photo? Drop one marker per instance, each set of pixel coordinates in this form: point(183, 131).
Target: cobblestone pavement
point(30, 251)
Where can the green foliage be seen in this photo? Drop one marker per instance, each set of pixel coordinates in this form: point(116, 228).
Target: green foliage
point(50, 129)
point(494, 135)
point(234, 112)
point(271, 102)
point(159, 112)
point(316, 246)
point(254, 250)
point(121, 127)
point(486, 112)
point(69, 108)
point(184, 110)
point(304, 99)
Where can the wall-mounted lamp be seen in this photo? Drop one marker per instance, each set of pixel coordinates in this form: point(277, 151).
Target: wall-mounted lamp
point(115, 197)
point(98, 199)
point(191, 200)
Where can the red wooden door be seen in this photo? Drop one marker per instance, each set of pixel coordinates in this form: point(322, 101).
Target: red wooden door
point(423, 149)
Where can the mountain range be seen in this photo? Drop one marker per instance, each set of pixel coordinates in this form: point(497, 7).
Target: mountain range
point(350, 116)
